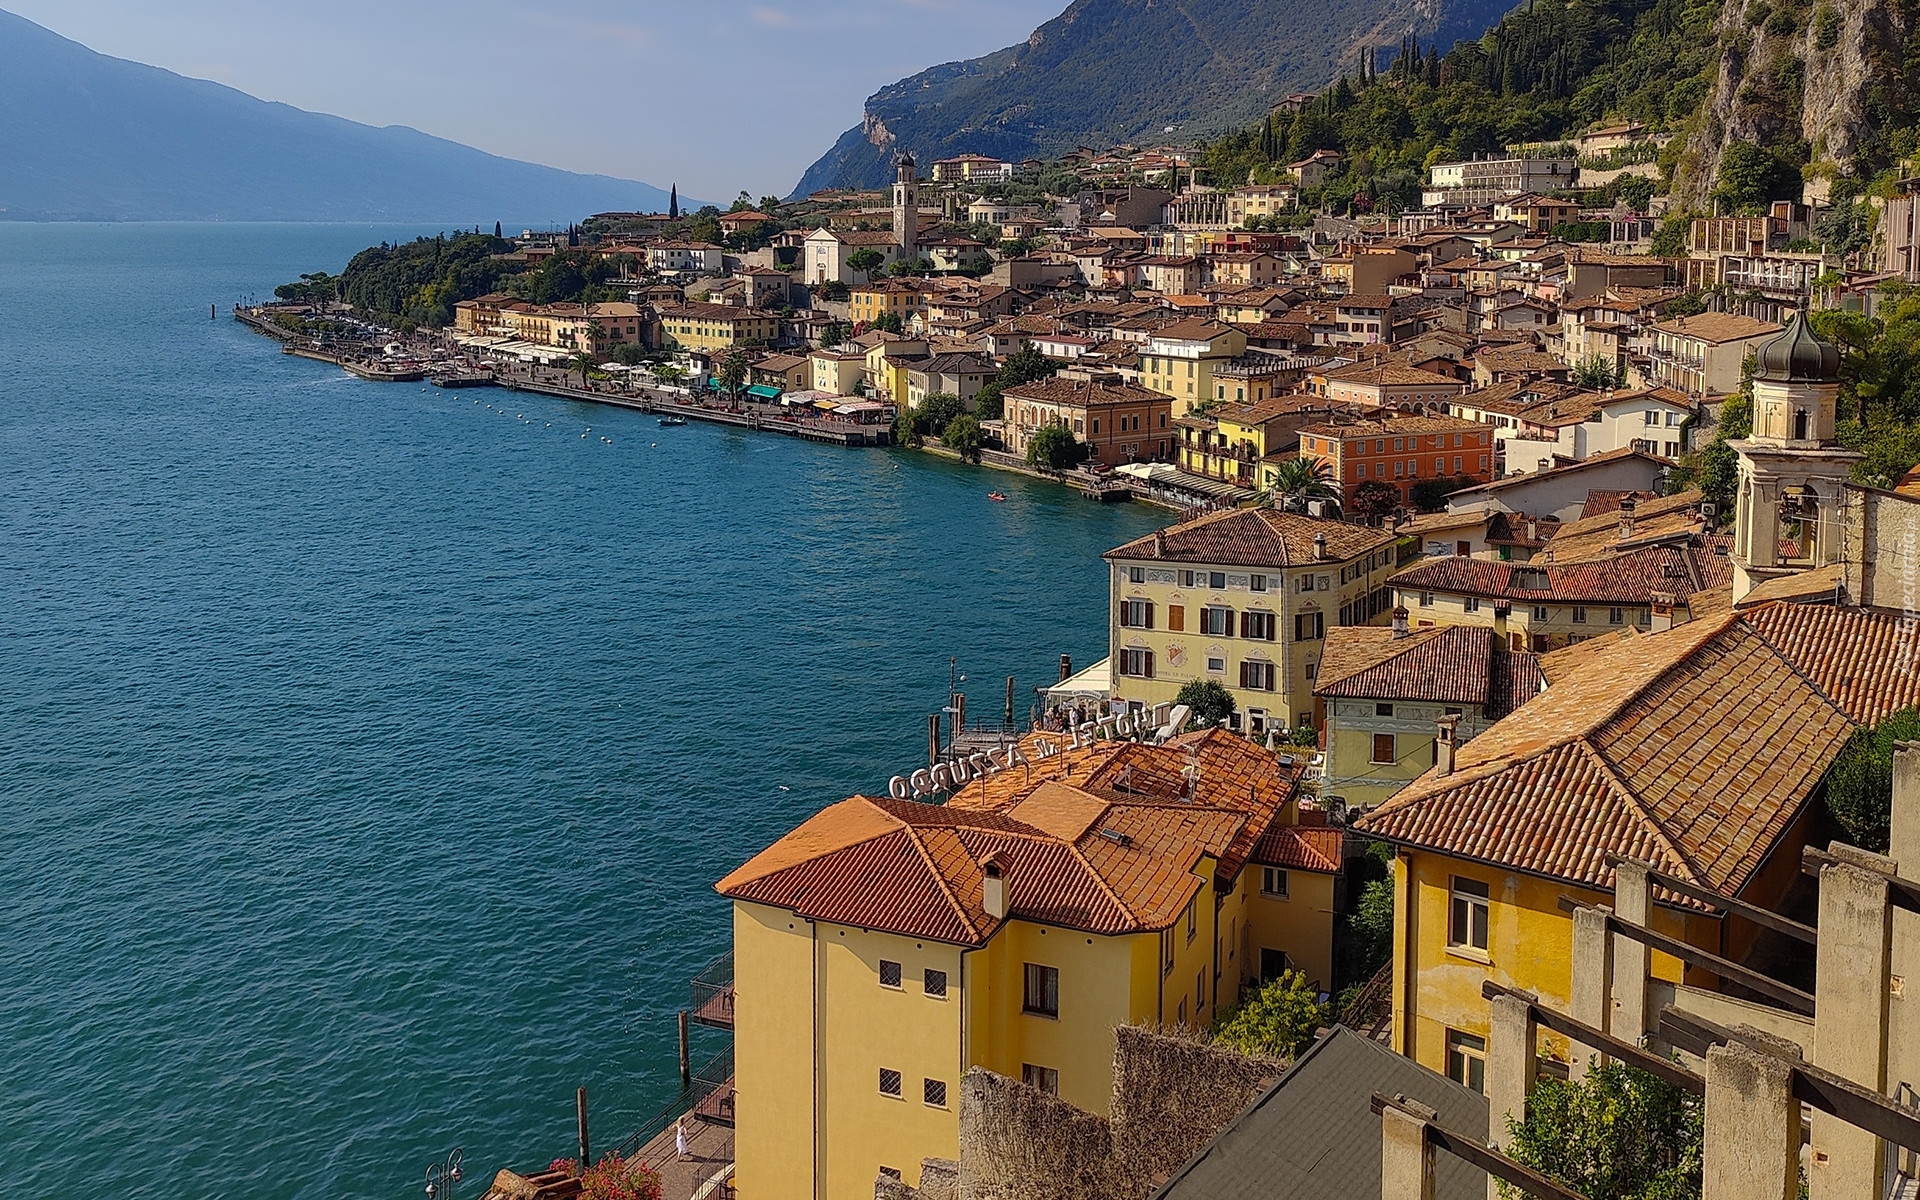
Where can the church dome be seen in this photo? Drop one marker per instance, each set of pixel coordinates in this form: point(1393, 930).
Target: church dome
point(1797, 356)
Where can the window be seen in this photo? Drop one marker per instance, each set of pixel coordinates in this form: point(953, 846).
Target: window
point(1470, 604)
point(1193, 917)
point(889, 974)
point(1272, 964)
point(1651, 417)
point(1309, 627)
point(1136, 614)
point(1256, 676)
point(1426, 599)
point(1579, 614)
point(935, 983)
point(934, 1092)
point(1257, 626)
point(1042, 997)
point(1383, 710)
point(889, 1083)
point(1136, 574)
point(1045, 1079)
point(1273, 882)
point(1216, 622)
point(1616, 616)
point(1177, 617)
point(1187, 578)
point(1258, 583)
point(1166, 951)
point(1216, 666)
point(1136, 663)
point(1542, 613)
point(1467, 1060)
point(1467, 920)
point(1216, 579)
point(1383, 748)
point(1199, 991)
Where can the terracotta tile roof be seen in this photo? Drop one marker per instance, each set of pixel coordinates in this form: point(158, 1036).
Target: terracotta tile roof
point(1694, 749)
point(1456, 664)
point(1718, 327)
point(1192, 329)
point(1628, 578)
point(1867, 660)
point(1253, 537)
point(1302, 849)
point(1391, 374)
point(1080, 393)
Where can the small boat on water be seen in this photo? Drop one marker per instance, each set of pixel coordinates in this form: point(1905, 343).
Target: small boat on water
point(672, 419)
point(996, 495)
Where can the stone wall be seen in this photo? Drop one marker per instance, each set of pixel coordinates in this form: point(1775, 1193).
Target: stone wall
point(1172, 1091)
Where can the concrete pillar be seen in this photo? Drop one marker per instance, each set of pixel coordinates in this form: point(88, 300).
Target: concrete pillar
point(1903, 1001)
point(1592, 999)
point(1406, 1161)
point(1632, 901)
point(1512, 1047)
point(1850, 1020)
point(1752, 1127)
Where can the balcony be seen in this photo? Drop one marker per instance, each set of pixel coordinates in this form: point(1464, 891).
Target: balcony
point(713, 994)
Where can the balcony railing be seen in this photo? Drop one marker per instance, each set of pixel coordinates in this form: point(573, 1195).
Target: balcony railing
point(713, 993)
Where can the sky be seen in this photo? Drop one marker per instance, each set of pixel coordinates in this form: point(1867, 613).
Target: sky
point(718, 96)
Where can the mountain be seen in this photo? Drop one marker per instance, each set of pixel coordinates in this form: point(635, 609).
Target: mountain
point(1109, 71)
point(89, 137)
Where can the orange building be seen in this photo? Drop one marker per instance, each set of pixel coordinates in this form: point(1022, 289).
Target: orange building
point(1400, 451)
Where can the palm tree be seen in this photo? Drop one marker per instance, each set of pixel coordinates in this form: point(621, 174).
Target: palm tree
point(583, 362)
point(1299, 480)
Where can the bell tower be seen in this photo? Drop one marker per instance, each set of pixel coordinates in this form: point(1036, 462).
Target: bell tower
point(906, 210)
point(1792, 472)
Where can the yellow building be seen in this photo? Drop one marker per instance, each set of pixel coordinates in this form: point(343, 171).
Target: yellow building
point(904, 298)
point(891, 358)
point(886, 946)
point(698, 326)
point(1384, 694)
point(838, 370)
point(1701, 749)
point(1646, 570)
point(1243, 597)
point(1179, 359)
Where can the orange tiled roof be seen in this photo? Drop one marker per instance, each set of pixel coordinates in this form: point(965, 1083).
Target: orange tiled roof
point(1070, 859)
point(1253, 537)
point(1458, 664)
point(1867, 660)
point(1693, 749)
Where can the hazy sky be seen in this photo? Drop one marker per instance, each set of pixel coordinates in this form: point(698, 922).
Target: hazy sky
point(716, 95)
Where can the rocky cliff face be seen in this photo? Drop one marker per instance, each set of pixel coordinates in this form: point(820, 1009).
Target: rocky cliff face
point(1110, 71)
point(1814, 84)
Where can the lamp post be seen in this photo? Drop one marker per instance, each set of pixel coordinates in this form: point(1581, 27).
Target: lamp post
point(444, 1176)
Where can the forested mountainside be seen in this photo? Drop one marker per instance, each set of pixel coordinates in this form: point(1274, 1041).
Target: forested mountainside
point(1110, 71)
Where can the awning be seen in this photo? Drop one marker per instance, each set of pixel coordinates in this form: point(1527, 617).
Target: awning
point(1094, 683)
point(764, 392)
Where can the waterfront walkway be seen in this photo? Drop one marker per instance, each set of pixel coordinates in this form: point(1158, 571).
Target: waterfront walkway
point(706, 1173)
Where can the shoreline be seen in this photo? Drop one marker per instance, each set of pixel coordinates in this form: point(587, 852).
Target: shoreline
point(653, 401)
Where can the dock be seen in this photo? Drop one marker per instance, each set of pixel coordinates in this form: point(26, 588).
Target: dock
point(835, 433)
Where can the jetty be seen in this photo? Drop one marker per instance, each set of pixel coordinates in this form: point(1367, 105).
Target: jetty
point(835, 433)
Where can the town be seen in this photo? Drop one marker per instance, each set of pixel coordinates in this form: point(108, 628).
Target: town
point(1521, 701)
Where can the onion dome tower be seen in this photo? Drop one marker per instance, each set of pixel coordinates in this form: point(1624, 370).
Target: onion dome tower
point(1792, 471)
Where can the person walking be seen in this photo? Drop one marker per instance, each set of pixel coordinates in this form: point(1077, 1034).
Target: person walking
point(680, 1140)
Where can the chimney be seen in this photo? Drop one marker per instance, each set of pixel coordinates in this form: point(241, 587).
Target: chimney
point(1663, 603)
point(1066, 667)
point(1400, 621)
point(1159, 543)
point(1319, 547)
point(1444, 744)
point(993, 886)
point(1533, 529)
point(1626, 517)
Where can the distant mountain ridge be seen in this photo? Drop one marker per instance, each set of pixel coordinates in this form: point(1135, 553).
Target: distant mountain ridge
point(1110, 71)
point(90, 137)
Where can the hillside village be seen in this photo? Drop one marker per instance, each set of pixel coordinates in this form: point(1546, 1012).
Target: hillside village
point(1529, 615)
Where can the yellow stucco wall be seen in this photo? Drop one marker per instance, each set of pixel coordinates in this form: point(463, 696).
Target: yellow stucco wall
point(1301, 924)
point(773, 1053)
point(868, 1027)
point(1529, 946)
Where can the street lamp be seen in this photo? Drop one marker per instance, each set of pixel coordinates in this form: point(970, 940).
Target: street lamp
point(444, 1176)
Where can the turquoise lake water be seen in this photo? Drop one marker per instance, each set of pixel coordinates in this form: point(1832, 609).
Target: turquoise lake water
point(367, 755)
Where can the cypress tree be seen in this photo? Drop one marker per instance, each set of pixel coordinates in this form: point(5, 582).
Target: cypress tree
point(496, 229)
point(673, 203)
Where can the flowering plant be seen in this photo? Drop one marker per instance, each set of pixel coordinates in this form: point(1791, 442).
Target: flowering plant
point(613, 1178)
